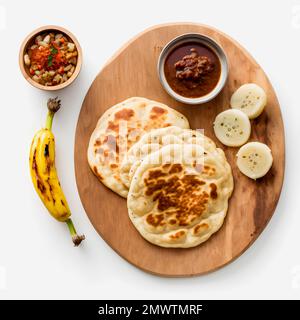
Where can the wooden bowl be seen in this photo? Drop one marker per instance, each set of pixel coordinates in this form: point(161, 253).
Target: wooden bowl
point(29, 41)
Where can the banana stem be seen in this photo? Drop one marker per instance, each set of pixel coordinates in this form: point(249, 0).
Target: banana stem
point(75, 237)
point(53, 106)
point(49, 120)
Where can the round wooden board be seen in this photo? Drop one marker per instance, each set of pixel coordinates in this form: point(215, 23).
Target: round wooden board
point(132, 72)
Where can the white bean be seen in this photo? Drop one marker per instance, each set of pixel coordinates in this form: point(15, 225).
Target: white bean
point(58, 36)
point(51, 73)
point(65, 78)
point(57, 78)
point(47, 39)
point(69, 56)
point(69, 74)
point(43, 44)
point(68, 68)
point(38, 39)
point(71, 46)
point(73, 60)
point(37, 72)
point(27, 59)
point(36, 78)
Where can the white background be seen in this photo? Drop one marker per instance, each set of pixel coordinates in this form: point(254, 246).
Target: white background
point(37, 259)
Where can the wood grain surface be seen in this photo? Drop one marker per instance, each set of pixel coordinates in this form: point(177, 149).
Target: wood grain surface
point(132, 71)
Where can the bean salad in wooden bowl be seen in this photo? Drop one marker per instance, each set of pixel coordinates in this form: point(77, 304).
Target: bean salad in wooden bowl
point(50, 58)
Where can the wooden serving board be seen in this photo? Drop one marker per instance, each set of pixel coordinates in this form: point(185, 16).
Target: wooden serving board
point(132, 72)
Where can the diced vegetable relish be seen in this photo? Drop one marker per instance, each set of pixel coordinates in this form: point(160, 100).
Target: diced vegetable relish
point(52, 59)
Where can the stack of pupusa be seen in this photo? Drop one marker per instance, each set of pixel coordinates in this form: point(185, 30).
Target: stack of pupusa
point(118, 129)
point(178, 183)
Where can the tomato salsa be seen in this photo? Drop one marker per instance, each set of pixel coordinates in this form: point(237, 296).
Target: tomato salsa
point(52, 59)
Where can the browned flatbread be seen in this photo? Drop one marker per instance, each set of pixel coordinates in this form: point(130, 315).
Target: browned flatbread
point(118, 129)
point(179, 195)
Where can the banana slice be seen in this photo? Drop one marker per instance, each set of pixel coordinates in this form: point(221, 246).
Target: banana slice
point(254, 159)
point(232, 127)
point(249, 98)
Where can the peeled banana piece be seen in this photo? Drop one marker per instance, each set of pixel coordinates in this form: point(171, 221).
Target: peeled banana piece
point(232, 127)
point(254, 159)
point(249, 98)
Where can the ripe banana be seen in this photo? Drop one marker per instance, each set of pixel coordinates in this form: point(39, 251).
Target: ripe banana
point(44, 175)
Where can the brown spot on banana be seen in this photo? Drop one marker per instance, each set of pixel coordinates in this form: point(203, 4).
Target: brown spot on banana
point(46, 150)
point(39, 181)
